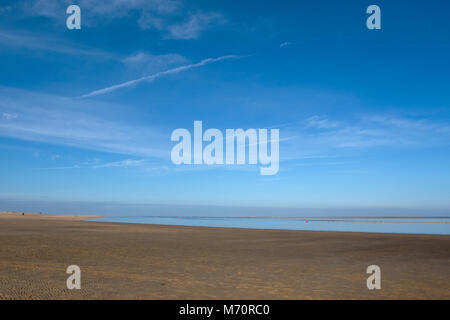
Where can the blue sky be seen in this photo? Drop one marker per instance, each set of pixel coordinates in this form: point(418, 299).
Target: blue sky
point(364, 115)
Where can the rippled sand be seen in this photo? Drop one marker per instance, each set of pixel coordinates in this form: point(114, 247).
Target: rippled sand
point(134, 261)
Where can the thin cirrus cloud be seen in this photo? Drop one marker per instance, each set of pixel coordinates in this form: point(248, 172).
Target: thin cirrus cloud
point(121, 164)
point(71, 122)
point(320, 122)
point(10, 116)
point(159, 74)
point(127, 163)
point(166, 16)
point(369, 131)
point(142, 62)
point(137, 63)
point(103, 10)
point(196, 23)
point(38, 42)
point(285, 44)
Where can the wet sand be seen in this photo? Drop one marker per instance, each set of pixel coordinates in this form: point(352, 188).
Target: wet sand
point(132, 261)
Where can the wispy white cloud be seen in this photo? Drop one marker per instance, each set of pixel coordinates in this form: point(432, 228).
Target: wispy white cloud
point(286, 43)
point(135, 64)
point(38, 42)
point(195, 24)
point(158, 74)
point(143, 62)
point(76, 123)
point(10, 116)
point(371, 131)
point(103, 10)
point(140, 61)
point(320, 122)
point(174, 18)
point(187, 27)
point(71, 122)
point(127, 163)
point(413, 125)
point(122, 164)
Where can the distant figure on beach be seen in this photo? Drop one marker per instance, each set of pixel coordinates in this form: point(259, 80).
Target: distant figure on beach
point(23, 213)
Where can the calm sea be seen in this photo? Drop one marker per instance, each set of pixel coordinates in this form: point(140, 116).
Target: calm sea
point(406, 225)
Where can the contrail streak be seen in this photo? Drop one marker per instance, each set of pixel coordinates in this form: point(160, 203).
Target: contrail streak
point(158, 74)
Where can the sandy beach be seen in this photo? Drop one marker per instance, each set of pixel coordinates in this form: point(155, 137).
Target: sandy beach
point(132, 261)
